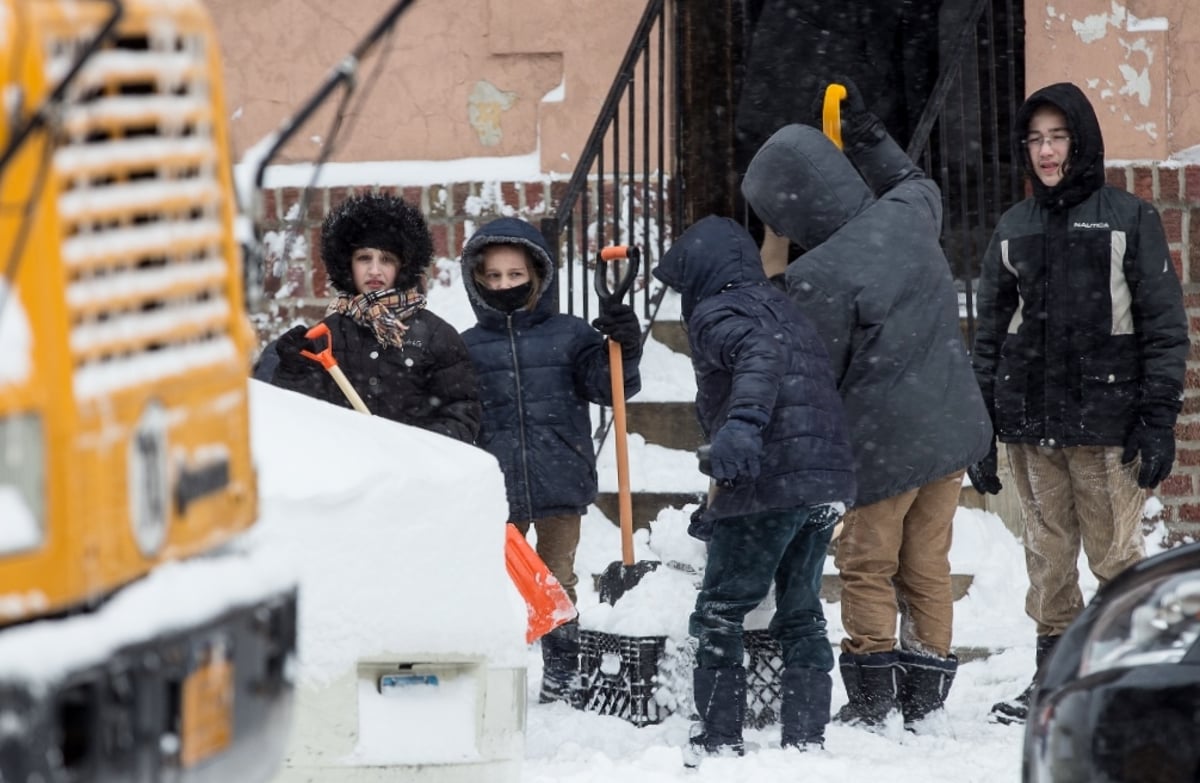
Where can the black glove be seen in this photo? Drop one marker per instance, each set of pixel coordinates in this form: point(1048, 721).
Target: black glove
point(289, 345)
point(735, 450)
point(620, 324)
point(700, 526)
point(1157, 447)
point(983, 474)
point(860, 128)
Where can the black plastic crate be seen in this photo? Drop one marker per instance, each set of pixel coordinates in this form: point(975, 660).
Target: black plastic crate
point(643, 679)
point(764, 679)
point(619, 675)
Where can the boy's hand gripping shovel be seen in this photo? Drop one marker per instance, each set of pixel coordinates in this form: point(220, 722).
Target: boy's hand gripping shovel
point(546, 601)
point(621, 575)
point(324, 357)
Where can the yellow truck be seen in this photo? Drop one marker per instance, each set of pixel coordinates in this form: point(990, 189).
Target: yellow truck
point(138, 640)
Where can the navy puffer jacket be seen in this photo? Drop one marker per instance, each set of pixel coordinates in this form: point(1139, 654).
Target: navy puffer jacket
point(756, 355)
point(538, 370)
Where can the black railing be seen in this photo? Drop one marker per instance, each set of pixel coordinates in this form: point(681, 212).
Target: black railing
point(964, 137)
point(618, 193)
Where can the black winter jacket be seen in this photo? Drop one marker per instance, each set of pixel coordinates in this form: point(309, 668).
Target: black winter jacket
point(876, 285)
point(429, 383)
point(1081, 328)
point(538, 370)
point(757, 356)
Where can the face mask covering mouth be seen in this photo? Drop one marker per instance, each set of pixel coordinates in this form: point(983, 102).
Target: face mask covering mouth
point(507, 300)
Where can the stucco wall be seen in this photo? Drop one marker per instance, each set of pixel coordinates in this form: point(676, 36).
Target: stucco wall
point(1138, 61)
point(464, 79)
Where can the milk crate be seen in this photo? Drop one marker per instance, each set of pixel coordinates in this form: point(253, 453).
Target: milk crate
point(643, 679)
point(619, 675)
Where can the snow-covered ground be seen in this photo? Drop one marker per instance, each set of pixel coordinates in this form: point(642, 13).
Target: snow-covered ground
point(564, 745)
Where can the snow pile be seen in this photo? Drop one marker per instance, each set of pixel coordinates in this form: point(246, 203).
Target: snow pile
point(396, 535)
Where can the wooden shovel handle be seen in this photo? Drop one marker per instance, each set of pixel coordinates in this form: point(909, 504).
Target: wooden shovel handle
point(624, 498)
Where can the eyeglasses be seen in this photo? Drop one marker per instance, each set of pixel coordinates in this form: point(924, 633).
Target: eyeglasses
point(1056, 141)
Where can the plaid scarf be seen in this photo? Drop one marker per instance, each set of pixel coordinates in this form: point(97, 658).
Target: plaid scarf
point(383, 312)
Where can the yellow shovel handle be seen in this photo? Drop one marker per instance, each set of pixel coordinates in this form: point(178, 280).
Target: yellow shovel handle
point(831, 113)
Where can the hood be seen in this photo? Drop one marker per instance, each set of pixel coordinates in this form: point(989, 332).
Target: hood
point(713, 254)
point(509, 231)
point(799, 183)
point(1085, 167)
point(378, 221)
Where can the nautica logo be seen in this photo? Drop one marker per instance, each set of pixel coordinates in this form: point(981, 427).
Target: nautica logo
point(1090, 225)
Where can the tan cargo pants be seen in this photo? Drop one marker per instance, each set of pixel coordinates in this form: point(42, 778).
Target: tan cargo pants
point(893, 557)
point(1073, 496)
point(557, 540)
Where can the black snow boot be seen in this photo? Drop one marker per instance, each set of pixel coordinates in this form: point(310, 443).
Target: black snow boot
point(560, 665)
point(927, 681)
point(804, 709)
point(1016, 710)
point(720, 696)
point(873, 684)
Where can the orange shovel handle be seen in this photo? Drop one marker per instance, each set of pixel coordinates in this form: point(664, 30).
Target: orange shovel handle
point(324, 357)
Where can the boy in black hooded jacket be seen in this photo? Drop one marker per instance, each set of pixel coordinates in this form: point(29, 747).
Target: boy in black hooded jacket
point(780, 453)
point(1080, 354)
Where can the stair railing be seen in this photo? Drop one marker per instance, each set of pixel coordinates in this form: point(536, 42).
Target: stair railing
point(620, 190)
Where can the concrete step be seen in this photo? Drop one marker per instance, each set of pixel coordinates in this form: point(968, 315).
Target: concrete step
point(671, 425)
point(646, 505)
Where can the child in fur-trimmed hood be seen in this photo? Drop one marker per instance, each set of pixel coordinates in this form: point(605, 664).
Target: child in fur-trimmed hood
point(406, 363)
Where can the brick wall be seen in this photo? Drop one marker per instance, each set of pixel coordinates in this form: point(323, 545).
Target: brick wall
point(1175, 190)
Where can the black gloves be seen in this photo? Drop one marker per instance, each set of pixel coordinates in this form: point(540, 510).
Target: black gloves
point(735, 450)
point(860, 128)
point(1157, 447)
point(700, 526)
point(289, 345)
point(983, 474)
point(620, 324)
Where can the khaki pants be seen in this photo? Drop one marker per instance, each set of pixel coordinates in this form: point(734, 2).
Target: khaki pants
point(557, 540)
point(893, 557)
point(1073, 496)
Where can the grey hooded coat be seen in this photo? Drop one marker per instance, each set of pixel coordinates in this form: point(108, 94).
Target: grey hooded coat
point(876, 285)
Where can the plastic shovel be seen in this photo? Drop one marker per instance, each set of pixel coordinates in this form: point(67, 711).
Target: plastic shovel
point(546, 600)
point(324, 357)
point(621, 575)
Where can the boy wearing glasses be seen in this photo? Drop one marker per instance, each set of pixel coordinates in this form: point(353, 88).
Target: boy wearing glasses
point(1080, 353)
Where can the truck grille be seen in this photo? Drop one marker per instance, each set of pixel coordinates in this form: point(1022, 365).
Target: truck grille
point(146, 242)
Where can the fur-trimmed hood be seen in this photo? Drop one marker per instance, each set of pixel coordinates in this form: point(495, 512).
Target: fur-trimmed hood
point(378, 221)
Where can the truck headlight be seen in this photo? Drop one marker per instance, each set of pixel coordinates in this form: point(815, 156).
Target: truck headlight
point(1158, 622)
point(22, 483)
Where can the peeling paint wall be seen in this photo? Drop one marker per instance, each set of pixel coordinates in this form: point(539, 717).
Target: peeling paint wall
point(1132, 58)
point(476, 78)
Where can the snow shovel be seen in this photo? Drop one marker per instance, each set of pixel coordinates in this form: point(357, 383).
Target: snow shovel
point(621, 575)
point(546, 601)
point(324, 357)
point(831, 113)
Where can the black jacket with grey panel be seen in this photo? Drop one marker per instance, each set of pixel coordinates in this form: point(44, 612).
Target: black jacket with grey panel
point(1081, 326)
point(876, 285)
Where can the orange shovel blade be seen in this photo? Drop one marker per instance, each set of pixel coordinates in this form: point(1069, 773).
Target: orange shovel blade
point(547, 601)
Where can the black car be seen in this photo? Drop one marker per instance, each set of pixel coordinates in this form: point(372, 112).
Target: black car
point(1119, 698)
